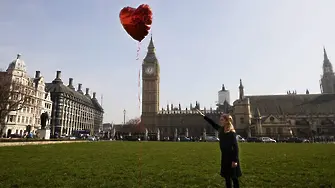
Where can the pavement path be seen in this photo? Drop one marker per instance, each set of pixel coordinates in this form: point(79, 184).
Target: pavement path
point(2, 144)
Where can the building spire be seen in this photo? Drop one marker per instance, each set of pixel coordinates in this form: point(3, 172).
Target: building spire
point(325, 57)
point(241, 85)
point(223, 88)
point(241, 90)
point(151, 56)
point(151, 46)
point(327, 66)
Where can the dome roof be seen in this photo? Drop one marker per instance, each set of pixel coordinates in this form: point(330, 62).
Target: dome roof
point(17, 64)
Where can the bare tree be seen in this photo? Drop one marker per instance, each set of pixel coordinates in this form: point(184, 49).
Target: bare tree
point(14, 95)
point(133, 121)
point(134, 125)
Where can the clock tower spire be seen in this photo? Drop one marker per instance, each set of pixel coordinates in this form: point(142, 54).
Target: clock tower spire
point(327, 82)
point(150, 88)
point(151, 55)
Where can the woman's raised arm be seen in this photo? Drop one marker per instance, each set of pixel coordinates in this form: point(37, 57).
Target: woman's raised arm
point(209, 120)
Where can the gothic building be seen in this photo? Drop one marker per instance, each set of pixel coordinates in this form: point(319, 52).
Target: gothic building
point(290, 114)
point(276, 116)
point(171, 121)
point(28, 118)
point(73, 109)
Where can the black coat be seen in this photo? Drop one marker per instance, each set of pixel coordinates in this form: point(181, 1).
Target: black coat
point(229, 151)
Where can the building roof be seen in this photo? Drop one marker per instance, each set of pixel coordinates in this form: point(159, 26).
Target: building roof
point(17, 64)
point(96, 104)
point(57, 86)
point(295, 104)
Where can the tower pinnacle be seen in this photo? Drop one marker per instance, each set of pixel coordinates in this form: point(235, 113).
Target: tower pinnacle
point(327, 66)
point(325, 57)
point(241, 85)
point(241, 90)
point(151, 55)
point(151, 47)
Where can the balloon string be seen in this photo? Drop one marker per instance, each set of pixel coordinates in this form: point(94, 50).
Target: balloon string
point(138, 50)
point(139, 79)
point(139, 109)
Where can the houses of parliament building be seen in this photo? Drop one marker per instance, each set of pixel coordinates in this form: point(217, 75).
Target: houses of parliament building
point(290, 114)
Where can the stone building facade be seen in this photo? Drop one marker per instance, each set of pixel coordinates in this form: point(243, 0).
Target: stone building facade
point(276, 116)
point(73, 109)
point(17, 122)
point(292, 114)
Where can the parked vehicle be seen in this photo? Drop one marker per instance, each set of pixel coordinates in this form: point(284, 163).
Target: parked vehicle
point(297, 140)
point(91, 138)
point(184, 139)
point(132, 138)
point(14, 136)
point(211, 139)
point(254, 139)
point(240, 138)
point(268, 140)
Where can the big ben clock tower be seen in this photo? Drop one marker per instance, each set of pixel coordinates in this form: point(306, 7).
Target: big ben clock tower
point(150, 88)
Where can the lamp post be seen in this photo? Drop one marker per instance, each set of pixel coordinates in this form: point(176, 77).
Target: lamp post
point(124, 116)
point(110, 133)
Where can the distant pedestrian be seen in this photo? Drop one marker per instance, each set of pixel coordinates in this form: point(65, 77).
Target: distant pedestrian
point(230, 164)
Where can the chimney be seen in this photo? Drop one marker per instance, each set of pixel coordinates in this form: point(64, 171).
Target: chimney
point(70, 81)
point(71, 84)
point(57, 80)
point(18, 56)
point(87, 91)
point(38, 74)
point(79, 87)
point(94, 94)
point(58, 74)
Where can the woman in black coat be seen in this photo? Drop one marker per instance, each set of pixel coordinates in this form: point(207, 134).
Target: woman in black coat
point(230, 164)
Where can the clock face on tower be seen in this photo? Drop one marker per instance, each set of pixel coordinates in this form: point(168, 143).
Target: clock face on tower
point(149, 70)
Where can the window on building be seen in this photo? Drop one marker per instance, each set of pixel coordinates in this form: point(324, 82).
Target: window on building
point(11, 118)
point(241, 120)
point(268, 130)
point(272, 119)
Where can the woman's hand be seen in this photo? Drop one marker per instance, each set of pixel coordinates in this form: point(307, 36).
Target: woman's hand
point(199, 112)
point(234, 164)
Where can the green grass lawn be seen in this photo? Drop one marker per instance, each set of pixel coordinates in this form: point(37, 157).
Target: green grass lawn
point(163, 164)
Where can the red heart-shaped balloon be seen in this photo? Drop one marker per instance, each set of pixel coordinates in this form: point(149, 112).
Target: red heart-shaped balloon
point(136, 22)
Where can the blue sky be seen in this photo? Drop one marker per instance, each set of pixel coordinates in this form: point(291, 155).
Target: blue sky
point(274, 46)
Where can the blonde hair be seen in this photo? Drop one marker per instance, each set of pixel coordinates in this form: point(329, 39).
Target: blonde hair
point(228, 127)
